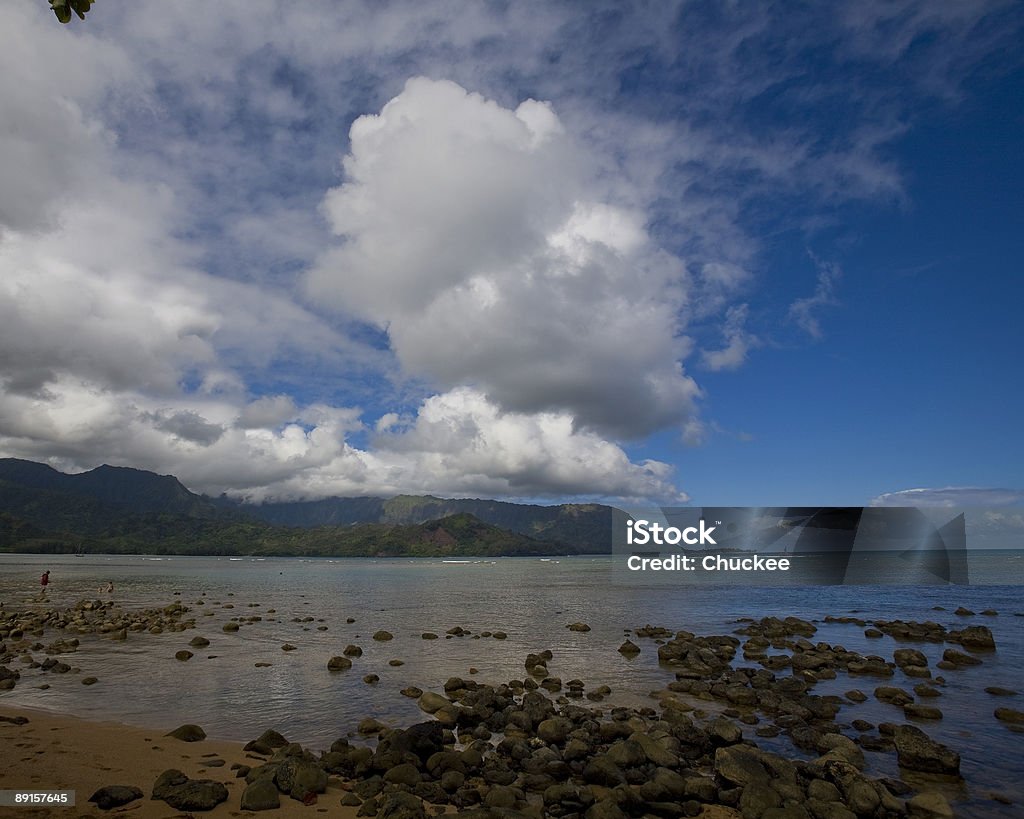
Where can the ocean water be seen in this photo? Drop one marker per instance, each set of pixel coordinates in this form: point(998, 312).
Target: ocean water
point(532, 600)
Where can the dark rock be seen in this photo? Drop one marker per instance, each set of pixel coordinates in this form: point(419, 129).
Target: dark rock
point(604, 809)
point(404, 774)
point(183, 655)
point(893, 695)
point(114, 796)
point(383, 636)
point(916, 711)
point(339, 664)
point(185, 794)
point(996, 691)
point(602, 771)
point(188, 733)
point(431, 702)
point(629, 649)
point(974, 637)
point(740, 765)
point(958, 658)
point(400, 805)
point(724, 731)
point(758, 797)
point(261, 795)
point(198, 642)
point(266, 743)
point(929, 805)
point(554, 730)
point(369, 726)
point(1010, 715)
point(300, 777)
point(916, 751)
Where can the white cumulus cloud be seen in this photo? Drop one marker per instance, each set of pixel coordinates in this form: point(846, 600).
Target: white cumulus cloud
point(476, 235)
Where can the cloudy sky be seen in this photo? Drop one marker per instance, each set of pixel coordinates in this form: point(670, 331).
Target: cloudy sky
point(724, 252)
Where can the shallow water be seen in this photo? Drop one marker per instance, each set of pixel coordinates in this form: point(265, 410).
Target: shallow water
point(532, 600)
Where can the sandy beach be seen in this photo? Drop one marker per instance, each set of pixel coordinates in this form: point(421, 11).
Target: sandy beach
point(56, 752)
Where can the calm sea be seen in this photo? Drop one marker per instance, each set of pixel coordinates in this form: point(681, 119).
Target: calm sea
point(532, 600)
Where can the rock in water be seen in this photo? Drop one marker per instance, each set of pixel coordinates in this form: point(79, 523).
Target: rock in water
point(1011, 715)
point(930, 805)
point(188, 733)
point(339, 664)
point(976, 637)
point(629, 649)
point(916, 751)
point(114, 796)
point(431, 702)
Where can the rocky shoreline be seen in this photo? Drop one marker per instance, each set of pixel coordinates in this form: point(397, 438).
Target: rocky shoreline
point(541, 746)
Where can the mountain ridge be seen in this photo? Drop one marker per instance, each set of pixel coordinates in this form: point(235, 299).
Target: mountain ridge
point(123, 509)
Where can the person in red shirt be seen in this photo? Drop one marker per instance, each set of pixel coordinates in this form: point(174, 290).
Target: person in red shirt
point(44, 581)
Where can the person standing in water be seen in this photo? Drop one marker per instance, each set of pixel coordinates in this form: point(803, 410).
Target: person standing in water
point(44, 581)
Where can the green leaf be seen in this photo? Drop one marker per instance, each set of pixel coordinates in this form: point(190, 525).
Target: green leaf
point(60, 8)
point(80, 7)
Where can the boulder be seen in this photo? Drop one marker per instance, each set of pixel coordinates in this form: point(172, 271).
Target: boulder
point(188, 733)
point(182, 793)
point(266, 743)
point(916, 751)
point(909, 656)
point(432, 702)
point(929, 805)
point(629, 649)
point(916, 711)
point(261, 795)
point(1010, 715)
point(975, 637)
point(114, 796)
point(740, 765)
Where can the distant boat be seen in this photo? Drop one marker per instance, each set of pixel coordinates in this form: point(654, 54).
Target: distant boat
point(81, 550)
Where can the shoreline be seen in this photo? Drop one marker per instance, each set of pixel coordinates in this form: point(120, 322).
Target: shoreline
point(538, 746)
point(61, 752)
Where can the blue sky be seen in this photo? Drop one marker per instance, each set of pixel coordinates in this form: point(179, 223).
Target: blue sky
point(729, 254)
